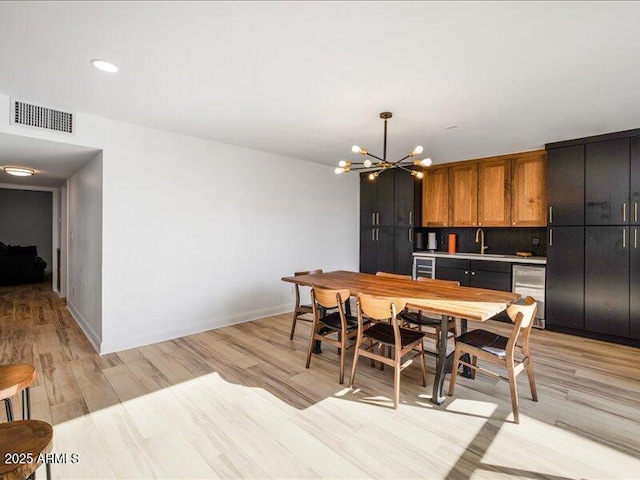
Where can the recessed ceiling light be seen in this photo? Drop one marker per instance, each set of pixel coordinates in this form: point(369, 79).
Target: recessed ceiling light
point(104, 66)
point(18, 171)
point(451, 127)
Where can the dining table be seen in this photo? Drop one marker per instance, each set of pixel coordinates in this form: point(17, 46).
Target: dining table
point(446, 301)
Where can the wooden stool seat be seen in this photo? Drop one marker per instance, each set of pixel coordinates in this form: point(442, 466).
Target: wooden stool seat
point(25, 440)
point(13, 380)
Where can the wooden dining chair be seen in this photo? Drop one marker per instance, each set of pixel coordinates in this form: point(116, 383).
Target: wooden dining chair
point(16, 379)
point(431, 324)
point(500, 350)
point(299, 308)
point(326, 325)
point(386, 331)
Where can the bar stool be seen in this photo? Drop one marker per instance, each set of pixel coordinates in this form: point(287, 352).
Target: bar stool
point(28, 441)
point(15, 379)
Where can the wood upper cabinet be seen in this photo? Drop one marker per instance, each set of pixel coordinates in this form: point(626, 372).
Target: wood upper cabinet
point(494, 189)
point(463, 195)
point(435, 197)
point(528, 194)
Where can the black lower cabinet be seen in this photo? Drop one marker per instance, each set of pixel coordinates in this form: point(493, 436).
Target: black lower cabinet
point(475, 273)
point(376, 249)
point(403, 250)
point(565, 278)
point(634, 284)
point(606, 285)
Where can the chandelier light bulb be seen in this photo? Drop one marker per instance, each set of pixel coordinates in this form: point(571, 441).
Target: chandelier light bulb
point(420, 175)
point(342, 163)
point(367, 163)
point(426, 162)
point(339, 170)
point(417, 151)
point(372, 176)
point(355, 149)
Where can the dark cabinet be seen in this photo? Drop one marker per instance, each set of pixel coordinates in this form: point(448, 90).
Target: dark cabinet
point(606, 283)
point(387, 219)
point(607, 182)
point(565, 185)
point(404, 199)
point(377, 200)
point(634, 193)
point(634, 284)
point(376, 249)
point(565, 278)
point(475, 273)
point(403, 250)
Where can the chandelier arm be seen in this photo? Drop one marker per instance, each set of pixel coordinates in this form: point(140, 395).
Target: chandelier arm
point(402, 159)
point(377, 158)
point(404, 168)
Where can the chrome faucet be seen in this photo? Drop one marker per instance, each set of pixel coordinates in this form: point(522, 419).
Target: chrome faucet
point(480, 239)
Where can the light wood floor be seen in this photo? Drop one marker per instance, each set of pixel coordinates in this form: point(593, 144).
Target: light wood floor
point(238, 403)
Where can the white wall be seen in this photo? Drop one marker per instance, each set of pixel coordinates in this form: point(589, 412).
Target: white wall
point(197, 234)
point(84, 292)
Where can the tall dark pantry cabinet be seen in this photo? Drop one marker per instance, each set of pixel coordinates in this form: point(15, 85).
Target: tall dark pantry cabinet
point(387, 221)
point(593, 256)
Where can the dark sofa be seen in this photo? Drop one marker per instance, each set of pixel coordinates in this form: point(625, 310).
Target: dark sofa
point(20, 265)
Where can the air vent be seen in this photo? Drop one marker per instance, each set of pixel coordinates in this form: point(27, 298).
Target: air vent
point(41, 117)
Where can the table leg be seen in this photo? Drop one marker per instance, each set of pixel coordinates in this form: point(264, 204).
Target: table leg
point(441, 365)
point(466, 371)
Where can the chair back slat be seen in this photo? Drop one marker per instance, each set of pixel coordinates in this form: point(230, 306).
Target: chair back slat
point(393, 275)
point(380, 308)
point(435, 281)
point(330, 298)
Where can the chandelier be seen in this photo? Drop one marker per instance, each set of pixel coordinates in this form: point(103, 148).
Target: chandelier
point(381, 165)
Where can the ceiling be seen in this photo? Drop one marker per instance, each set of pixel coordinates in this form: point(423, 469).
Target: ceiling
point(53, 162)
point(309, 79)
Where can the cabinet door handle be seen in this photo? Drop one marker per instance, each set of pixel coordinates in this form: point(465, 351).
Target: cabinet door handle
point(466, 272)
point(550, 214)
point(411, 218)
point(624, 238)
point(473, 273)
point(373, 234)
point(377, 234)
point(551, 237)
point(635, 211)
point(624, 212)
point(373, 219)
point(378, 218)
point(635, 238)
point(410, 235)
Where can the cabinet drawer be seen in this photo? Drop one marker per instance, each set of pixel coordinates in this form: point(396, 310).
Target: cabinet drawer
point(453, 263)
point(490, 266)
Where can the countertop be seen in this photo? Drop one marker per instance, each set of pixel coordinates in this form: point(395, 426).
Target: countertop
point(486, 256)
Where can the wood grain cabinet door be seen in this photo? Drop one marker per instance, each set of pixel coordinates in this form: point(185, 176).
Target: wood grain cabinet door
point(464, 195)
point(494, 188)
point(435, 197)
point(528, 194)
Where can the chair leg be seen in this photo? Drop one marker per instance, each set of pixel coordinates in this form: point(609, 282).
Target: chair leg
point(532, 380)
point(314, 327)
point(423, 365)
point(474, 362)
point(343, 350)
point(9, 409)
point(355, 362)
point(514, 391)
point(293, 324)
point(396, 383)
point(454, 371)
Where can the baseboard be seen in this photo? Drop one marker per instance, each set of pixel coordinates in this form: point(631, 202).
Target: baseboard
point(192, 329)
point(91, 335)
